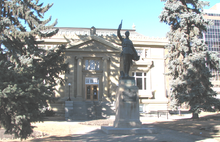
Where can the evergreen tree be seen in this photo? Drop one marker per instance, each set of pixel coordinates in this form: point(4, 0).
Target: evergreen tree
point(189, 60)
point(28, 73)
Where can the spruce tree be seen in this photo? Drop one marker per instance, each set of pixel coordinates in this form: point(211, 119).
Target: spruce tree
point(28, 74)
point(189, 61)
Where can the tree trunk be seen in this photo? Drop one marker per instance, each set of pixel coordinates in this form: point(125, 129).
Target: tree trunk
point(195, 115)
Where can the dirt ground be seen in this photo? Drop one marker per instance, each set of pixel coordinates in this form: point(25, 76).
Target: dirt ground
point(207, 126)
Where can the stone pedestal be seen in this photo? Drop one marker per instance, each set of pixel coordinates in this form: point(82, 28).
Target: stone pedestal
point(127, 105)
point(127, 118)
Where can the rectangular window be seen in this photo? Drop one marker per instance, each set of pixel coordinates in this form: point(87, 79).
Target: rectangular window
point(140, 79)
point(95, 92)
point(145, 83)
point(95, 80)
point(143, 53)
point(88, 92)
point(87, 81)
point(97, 67)
point(139, 83)
point(138, 73)
point(139, 52)
point(91, 80)
point(92, 64)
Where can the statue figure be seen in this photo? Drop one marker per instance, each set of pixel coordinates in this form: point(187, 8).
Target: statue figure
point(128, 52)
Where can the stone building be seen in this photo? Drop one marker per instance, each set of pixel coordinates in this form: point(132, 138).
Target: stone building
point(93, 55)
point(212, 38)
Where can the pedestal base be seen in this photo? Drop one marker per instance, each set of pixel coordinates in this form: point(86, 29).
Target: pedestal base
point(114, 130)
point(127, 124)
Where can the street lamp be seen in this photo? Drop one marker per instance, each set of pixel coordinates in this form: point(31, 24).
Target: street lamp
point(69, 84)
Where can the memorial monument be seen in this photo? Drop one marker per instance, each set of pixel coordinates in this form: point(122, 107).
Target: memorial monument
point(127, 118)
point(127, 101)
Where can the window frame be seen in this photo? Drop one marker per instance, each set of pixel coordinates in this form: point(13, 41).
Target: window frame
point(97, 64)
point(144, 76)
point(145, 52)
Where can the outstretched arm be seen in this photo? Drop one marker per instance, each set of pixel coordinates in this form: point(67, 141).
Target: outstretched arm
point(118, 31)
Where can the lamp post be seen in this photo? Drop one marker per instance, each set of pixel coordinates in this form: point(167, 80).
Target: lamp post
point(69, 84)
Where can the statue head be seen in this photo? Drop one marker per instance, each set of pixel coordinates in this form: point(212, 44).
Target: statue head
point(127, 34)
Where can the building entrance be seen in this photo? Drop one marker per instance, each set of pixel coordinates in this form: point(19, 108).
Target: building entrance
point(92, 88)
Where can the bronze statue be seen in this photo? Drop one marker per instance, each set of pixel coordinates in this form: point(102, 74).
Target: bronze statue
point(128, 52)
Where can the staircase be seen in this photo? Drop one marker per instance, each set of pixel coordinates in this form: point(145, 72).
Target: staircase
point(87, 110)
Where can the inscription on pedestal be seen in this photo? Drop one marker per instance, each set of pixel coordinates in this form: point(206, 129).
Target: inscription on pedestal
point(129, 96)
point(127, 82)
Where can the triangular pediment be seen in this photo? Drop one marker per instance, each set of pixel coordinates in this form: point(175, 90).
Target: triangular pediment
point(93, 43)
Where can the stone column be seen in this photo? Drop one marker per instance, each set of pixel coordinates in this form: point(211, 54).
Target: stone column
point(69, 77)
point(79, 77)
point(105, 78)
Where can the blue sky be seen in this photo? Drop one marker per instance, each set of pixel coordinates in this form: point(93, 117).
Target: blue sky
point(108, 14)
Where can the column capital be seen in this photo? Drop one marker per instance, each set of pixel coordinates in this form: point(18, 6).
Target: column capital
point(79, 57)
point(105, 58)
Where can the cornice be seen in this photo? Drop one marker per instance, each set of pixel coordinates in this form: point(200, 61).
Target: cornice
point(92, 50)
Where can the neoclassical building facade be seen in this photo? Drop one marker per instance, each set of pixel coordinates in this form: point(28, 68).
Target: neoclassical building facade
point(93, 55)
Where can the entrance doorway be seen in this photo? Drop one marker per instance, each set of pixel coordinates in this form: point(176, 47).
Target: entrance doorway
point(92, 92)
point(91, 88)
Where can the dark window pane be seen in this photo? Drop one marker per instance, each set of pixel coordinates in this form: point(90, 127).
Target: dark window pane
point(145, 53)
point(88, 92)
point(139, 52)
point(132, 74)
point(95, 92)
point(87, 81)
point(138, 73)
point(92, 65)
point(97, 67)
point(139, 83)
point(145, 84)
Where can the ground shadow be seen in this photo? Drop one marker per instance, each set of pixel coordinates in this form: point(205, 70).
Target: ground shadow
point(98, 135)
point(206, 126)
